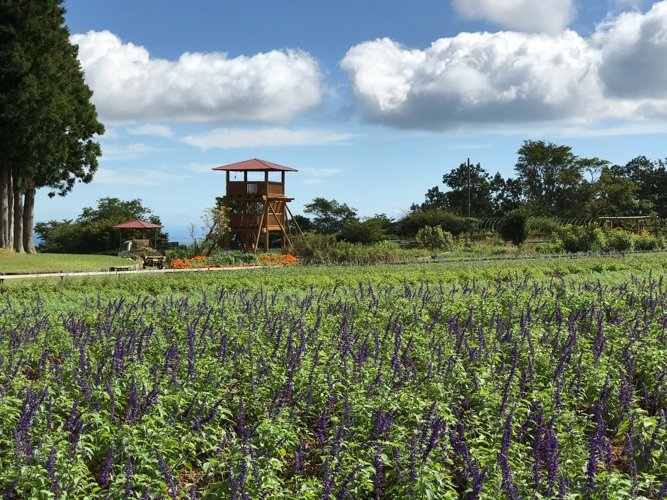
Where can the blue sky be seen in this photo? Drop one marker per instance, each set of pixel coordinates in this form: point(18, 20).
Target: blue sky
point(372, 100)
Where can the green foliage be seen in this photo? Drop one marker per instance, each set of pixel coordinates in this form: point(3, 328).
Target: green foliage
point(434, 238)
point(329, 216)
point(314, 248)
point(542, 226)
point(552, 248)
point(474, 179)
point(618, 240)
point(647, 242)
point(485, 195)
point(93, 231)
point(592, 238)
point(370, 230)
point(650, 179)
point(588, 238)
point(216, 222)
point(550, 175)
point(513, 227)
point(232, 258)
point(409, 225)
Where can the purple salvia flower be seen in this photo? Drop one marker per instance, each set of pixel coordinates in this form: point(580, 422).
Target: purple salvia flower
point(503, 460)
point(626, 393)
point(10, 492)
point(344, 492)
point(552, 456)
point(437, 426)
point(22, 438)
point(129, 474)
point(663, 491)
point(132, 403)
point(382, 422)
point(600, 341)
point(599, 447)
point(105, 475)
point(412, 461)
point(300, 456)
point(191, 352)
point(327, 477)
point(167, 474)
point(629, 453)
point(54, 484)
point(378, 476)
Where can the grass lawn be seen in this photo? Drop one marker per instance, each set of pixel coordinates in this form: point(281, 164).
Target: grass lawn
point(13, 263)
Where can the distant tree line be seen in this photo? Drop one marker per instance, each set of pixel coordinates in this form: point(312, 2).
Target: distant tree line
point(550, 181)
point(47, 123)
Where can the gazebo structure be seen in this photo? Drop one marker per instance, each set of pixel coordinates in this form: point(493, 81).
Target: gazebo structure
point(257, 208)
point(138, 224)
point(640, 220)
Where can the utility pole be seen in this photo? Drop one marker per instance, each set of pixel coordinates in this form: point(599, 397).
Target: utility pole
point(468, 187)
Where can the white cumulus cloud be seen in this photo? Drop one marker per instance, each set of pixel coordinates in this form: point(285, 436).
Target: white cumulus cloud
point(634, 53)
point(228, 138)
point(125, 151)
point(152, 129)
point(546, 16)
point(475, 77)
point(131, 85)
point(138, 177)
point(510, 77)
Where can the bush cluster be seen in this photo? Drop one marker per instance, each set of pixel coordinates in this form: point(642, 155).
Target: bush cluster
point(315, 248)
point(513, 227)
point(592, 238)
point(409, 225)
point(542, 226)
point(434, 238)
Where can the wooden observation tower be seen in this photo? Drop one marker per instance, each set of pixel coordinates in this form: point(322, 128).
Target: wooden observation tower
point(257, 206)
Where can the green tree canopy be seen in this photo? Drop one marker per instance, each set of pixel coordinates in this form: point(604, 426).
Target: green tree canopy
point(650, 178)
point(548, 173)
point(613, 195)
point(455, 199)
point(329, 216)
point(369, 230)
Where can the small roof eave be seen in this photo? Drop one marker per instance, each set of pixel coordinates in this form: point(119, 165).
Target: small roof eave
point(137, 224)
point(254, 165)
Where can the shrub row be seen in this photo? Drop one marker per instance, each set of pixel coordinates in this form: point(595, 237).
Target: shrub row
point(592, 238)
point(314, 248)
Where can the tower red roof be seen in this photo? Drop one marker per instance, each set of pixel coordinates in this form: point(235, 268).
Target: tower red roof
point(255, 165)
point(137, 224)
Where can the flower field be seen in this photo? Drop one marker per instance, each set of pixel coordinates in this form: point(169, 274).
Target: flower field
point(384, 383)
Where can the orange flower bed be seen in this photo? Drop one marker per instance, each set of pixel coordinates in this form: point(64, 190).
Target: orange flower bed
point(200, 261)
point(278, 260)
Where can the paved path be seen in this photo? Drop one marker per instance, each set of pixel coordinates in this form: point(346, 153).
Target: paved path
point(116, 272)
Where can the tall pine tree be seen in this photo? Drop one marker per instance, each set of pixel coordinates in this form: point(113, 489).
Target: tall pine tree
point(47, 122)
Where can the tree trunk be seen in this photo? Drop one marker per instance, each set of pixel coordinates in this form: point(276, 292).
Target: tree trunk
point(18, 219)
point(29, 217)
point(10, 211)
point(4, 213)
